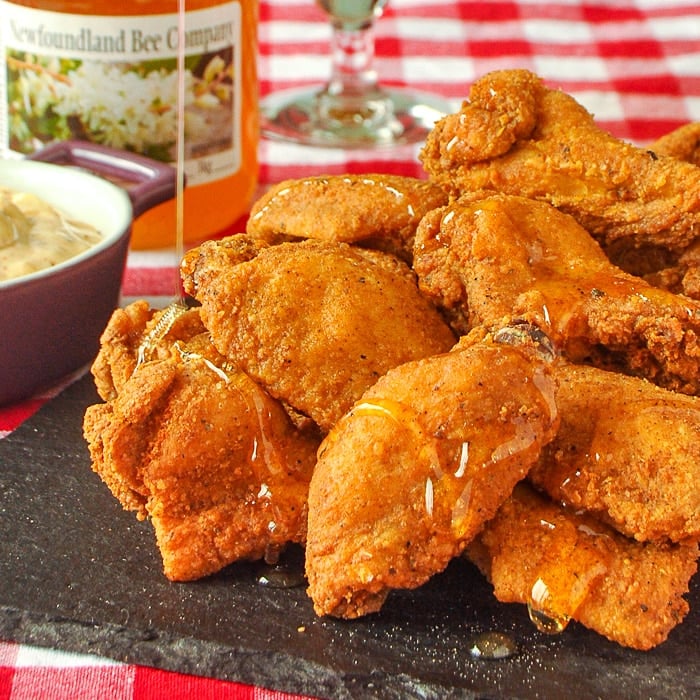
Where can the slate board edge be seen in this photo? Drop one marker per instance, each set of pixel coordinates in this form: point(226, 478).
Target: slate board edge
point(212, 660)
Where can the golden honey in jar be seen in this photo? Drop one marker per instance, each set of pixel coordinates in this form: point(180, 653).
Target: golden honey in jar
point(107, 72)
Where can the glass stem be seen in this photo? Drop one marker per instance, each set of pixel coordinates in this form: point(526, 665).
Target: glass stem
point(352, 95)
point(352, 55)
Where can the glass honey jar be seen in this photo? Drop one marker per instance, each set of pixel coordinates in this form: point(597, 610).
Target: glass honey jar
point(106, 72)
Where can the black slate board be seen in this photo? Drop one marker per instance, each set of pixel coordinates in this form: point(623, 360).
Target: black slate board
point(78, 573)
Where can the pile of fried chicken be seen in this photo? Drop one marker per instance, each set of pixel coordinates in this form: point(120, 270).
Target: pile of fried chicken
point(500, 362)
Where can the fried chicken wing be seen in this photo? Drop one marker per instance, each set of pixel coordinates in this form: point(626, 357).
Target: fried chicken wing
point(627, 452)
point(378, 211)
point(677, 271)
point(315, 322)
point(491, 257)
point(198, 448)
point(566, 566)
point(515, 135)
point(407, 478)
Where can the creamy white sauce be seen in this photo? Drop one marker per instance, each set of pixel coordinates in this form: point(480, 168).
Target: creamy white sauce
point(34, 235)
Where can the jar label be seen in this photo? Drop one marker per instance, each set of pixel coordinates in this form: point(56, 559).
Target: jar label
point(113, 80)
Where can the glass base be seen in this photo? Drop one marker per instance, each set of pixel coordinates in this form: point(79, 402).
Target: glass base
point(388, 118)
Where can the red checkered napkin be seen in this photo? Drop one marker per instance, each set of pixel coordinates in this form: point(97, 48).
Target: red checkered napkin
point(634, 64)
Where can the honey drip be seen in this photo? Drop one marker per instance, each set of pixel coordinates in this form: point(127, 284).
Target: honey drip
point(542, 609)
point(281, 576)
point(563, 583)
point(493, 645)
point(283, 569)
point(265, 461)
point(268, 453)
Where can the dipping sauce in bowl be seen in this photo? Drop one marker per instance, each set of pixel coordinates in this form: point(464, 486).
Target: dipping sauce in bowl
point(34, 235)
point(51, 319)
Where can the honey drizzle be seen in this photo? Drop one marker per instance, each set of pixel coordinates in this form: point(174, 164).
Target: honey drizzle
point(562, 583)
point(180, 146)
point(263, 450)
point(163, 326)
point(407, 417)
point(177, 307)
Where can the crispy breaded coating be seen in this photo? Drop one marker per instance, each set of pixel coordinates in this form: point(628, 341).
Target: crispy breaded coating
point(377, 210)
point(568, 566)
point(492, 256)
point(627, 452)
point(407, 478)
point(515, 135)
point(682, 143)
point(687, 270)
point(315, 322)
point(198, 448)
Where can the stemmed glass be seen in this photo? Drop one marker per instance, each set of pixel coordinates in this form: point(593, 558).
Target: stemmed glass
point(352, 110)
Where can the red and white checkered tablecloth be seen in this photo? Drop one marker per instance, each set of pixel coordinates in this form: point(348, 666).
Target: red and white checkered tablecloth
point(635, 64)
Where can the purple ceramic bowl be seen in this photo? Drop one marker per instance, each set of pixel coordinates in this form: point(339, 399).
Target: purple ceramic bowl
point(51, 320)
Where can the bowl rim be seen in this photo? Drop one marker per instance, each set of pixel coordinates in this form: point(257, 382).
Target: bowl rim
point(103, 188)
